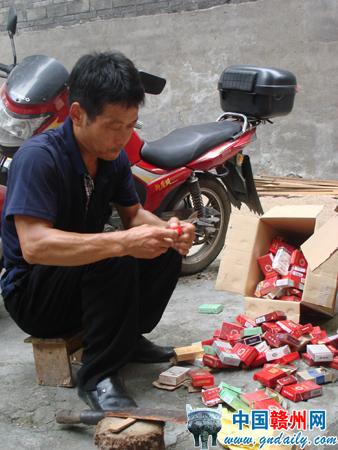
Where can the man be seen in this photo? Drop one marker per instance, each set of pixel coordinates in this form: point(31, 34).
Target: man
point(63, 273)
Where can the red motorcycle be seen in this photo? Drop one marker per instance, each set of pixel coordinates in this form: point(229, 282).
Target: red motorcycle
point(195, 172)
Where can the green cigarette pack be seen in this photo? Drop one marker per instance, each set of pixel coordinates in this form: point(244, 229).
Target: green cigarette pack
point(210, 308)
point(254, 331)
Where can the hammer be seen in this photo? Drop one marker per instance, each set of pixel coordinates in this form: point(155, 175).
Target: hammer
point(92, 417)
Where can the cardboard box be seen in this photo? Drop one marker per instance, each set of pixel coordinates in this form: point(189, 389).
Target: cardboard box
point(250, 237)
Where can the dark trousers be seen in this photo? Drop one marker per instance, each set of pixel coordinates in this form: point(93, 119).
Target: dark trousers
point(113, 301)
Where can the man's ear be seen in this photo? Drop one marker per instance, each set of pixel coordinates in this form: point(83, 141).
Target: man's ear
point(77, 114)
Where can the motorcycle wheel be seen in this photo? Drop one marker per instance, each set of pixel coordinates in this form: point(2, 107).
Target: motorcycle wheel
point(205, 248)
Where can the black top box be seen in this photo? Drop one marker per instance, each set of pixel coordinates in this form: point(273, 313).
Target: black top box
point(261, 92)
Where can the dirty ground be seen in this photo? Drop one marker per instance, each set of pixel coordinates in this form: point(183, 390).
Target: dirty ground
point(27, 410)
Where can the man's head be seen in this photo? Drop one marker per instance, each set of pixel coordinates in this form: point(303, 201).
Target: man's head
point(105, 92)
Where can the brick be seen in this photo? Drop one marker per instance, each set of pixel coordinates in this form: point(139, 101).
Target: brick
point(101, 4)
point(47, 22)
point(36, 13)
point(57, 10)
point(84, 17)
point(78, 6)
point(41, 3)
point(126, 2)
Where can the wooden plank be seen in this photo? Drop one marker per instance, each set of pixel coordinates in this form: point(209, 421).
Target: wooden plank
point(120, 424)
point(293, 187)
point(52, 364)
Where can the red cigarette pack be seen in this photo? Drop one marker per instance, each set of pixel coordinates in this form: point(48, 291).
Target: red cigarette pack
point(251, 398)
point(307, 328)
point(275, 244)
point(310, 362)
point(334, 364)
point(214, 362)
point(201, 377)
point(268, 377)
point(208, 341)
point(331, 340)
point(259, 361)
point(287, 359)
point(217, 334)
point(290, 379)
point(317, 334)
point(294, 291)
point(266, 286)
point(245, 321)
point(332, 349)
point(288, 325)
point(272, 327)
point(210, 397)
point(274, 316)
point(272, 339)
point(287, 338)
point(230, 329)
point(298, 259)
point(265, 263)
point(302, 391)
point(246, 353)
point(269, 404)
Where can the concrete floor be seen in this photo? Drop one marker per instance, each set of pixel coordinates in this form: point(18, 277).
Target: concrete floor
point(27, 410)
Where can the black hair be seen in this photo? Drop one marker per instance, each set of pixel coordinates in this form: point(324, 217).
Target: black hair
point(98, 79)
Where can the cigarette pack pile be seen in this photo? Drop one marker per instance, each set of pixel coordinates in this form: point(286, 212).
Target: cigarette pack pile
point(284, 269)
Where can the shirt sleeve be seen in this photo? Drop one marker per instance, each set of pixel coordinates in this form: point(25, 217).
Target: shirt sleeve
point(125, 194)
point(32, 185)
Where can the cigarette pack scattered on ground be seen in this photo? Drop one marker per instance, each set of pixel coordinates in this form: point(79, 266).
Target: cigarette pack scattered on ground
point(173, 376)
point(210, 308)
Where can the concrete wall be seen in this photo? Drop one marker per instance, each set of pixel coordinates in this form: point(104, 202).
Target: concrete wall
point(191, 49)
point(41, 14)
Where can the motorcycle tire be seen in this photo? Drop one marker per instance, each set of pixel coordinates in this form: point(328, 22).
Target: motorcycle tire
point(204, 251)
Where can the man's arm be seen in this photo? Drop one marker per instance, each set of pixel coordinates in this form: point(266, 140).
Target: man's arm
point(42, 244)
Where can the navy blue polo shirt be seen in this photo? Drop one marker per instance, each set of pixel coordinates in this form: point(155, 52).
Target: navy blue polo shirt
point(46, 181)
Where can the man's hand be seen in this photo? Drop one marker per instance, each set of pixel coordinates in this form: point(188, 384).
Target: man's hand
point(185, 235)
point(148, 241)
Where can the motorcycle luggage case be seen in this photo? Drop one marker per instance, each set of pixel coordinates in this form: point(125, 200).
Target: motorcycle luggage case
point(262, 92)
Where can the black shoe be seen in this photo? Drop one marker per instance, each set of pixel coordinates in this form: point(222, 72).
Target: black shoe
point(110, 394)
point(147, 352)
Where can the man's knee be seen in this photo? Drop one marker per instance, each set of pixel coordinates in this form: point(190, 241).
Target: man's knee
point(111, 265)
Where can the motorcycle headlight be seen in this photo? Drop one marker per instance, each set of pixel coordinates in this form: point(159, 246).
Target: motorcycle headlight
point(15, 129)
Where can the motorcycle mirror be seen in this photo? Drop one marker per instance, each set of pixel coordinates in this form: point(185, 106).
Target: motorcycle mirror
point(12, 20)
point(152, 83)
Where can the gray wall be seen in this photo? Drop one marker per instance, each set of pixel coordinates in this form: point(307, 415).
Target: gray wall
point(41, 14)
point(191, 49)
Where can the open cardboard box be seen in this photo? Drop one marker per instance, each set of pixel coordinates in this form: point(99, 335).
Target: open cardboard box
point(250, 237)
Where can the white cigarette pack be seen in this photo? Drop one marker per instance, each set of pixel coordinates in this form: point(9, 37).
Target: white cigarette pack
point(174, 376)
point(319, 353)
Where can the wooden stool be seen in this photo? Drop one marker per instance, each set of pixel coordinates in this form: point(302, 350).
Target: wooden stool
point(136, 435)
point(53, 359)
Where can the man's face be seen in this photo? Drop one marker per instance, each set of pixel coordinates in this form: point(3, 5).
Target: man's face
point(106, 135)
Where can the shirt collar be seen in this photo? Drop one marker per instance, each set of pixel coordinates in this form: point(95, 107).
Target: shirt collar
point(73, 148)
point(105, 168)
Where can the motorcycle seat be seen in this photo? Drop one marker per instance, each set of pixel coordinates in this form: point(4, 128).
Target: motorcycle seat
point(187, 144)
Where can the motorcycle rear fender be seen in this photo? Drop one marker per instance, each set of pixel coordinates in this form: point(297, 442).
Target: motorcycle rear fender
point(240, 185)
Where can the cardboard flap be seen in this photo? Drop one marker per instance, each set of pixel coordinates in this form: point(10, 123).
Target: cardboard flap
point(294, 211)
point(322, 244)
point(255, 307)
point(236, 255)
